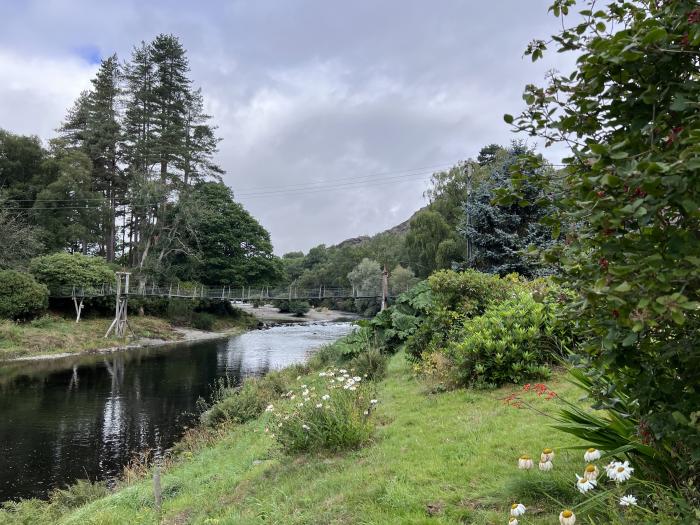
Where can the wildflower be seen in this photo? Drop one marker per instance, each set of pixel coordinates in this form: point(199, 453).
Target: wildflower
point(269, 408)
point(357, 379)
point(305, 393)
point(292, 397)
point(547, 455)
point(303, 386)
point(517, 509)
point(373, 401)
point(343, 371)
point(584, 485)
point(321, 374)
point(620, 472)
point(298, 378)
point(353, 388)
point(524, 462)
point(546, 466)
point(305, 427)
point(590, 472)
point(513, 520)
point(325, 397)
point(566, 517)
point(628, 501)
point(301, 405)
point(591, 454)
point(366, 412)
point(319, 405)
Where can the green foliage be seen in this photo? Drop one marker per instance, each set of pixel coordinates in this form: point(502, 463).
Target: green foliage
point(61, 270)
point(508, 343)
point(428, 229)
point(227, 245)
point(500, 234)
point(630, 196)
point(295, 307)
point(21, 297)
point(246, 402)
point(370, 364)
point(203, 321)
point(341, 422)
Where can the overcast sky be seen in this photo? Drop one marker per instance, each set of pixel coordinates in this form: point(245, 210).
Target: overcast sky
point(332, 114)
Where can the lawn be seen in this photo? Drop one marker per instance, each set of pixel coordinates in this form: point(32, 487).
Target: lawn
point(435, 458)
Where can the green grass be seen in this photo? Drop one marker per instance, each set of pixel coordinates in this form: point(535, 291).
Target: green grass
point(434, 458)
point(54, 335)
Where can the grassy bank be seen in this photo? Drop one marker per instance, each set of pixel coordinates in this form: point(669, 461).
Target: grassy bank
point(434, 458)
point(54, 334)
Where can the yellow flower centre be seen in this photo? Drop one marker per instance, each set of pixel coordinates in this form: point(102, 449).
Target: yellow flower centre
point(525, 457)
point(590, 450)
point(567, 513)
point(583, 480)
point(620, 469)
point(514, 506)
point(547, 451)
point(590, 468)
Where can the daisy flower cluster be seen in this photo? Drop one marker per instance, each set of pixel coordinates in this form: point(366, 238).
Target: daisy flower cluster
point(615, 471)
point(321, 412)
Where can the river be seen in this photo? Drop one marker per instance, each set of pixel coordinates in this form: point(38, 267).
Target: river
point(87, 416)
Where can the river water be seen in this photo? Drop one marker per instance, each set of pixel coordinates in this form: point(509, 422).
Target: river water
point(86, 417)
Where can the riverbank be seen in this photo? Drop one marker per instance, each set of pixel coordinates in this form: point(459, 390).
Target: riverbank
point(443, 458)
point(270, 314)
point(52, 337)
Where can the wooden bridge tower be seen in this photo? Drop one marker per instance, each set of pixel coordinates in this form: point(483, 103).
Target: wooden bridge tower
point(120, 322)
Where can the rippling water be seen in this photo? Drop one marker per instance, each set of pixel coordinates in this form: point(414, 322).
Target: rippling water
point(85, 417)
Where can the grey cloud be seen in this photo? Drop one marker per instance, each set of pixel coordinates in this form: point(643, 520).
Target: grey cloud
point(310, 90)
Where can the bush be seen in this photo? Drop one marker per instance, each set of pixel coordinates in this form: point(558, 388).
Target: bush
point(203, 321)
point(370, 364)
point(65, 270)
point(339, 422)
point(513, 340)
point(21, 297)
point(246, 402)
point(295, 307)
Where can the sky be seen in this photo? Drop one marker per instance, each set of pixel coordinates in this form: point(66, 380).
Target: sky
point(332, 114)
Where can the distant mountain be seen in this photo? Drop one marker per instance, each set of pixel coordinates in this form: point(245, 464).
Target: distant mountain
point(399, 229)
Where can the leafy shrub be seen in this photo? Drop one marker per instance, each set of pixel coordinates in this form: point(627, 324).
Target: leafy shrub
point(60, 270)
point(369, 364)
point(337, 423)
point(510, 342)
point(21, 297)
point(203, 321)
point(246, 402)
point(294, 307)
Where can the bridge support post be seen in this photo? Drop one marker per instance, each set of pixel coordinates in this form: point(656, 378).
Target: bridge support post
point(385, 288)
point(120, 322)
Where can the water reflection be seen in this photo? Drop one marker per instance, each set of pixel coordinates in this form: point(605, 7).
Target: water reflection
point(86, 417)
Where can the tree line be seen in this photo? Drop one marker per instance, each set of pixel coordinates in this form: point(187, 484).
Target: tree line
point(131, 177)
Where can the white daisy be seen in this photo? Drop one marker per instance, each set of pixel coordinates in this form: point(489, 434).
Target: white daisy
point(546, 466)
point(357, 379)
point(547, 455)
point(566, 517)
point(325, 397)
point(373, 401)
point(621, 472)
point(512, 520)
point(525, 462)
point(590, 472)
point(584, 485)
point(305, 427)
point(592, 454)
point(269, 408)
point(517, 509)
point(628, 501)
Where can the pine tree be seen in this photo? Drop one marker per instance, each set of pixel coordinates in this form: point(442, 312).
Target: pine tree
point(200, 143)
point(500, 234)
point(104, 135)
